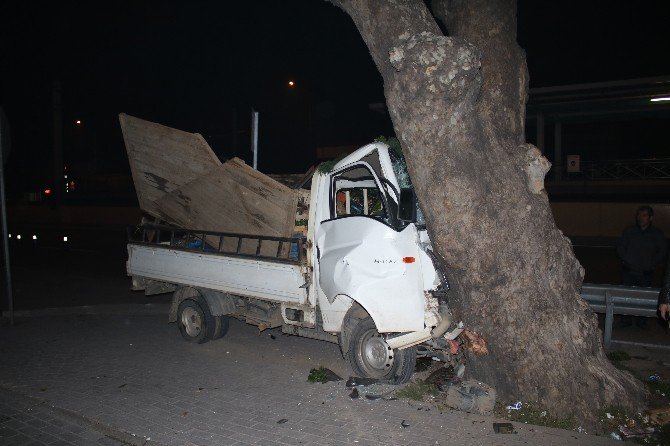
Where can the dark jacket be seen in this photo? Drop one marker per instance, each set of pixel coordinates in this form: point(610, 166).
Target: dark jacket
point(640, 250)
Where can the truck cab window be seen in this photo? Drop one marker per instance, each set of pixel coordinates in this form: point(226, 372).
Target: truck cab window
point(357, 193)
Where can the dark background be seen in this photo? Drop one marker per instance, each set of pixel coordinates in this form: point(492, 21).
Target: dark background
point(202, 66)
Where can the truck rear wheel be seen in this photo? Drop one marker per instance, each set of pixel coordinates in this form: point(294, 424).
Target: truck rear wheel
point(371, 357)
point(196, 323)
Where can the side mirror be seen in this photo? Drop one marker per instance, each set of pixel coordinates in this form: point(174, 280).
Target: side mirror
point(407, 205)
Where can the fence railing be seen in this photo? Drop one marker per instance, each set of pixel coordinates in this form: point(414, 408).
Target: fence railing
point(623, 300)
point(634, 169)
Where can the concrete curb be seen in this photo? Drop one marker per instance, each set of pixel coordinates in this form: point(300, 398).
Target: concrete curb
point(97, 310)
point(86, 422)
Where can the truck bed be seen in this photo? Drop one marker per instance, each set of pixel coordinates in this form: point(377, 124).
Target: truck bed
point(219, 261)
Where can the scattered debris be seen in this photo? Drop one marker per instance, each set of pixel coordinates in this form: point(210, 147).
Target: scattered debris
point(472, 396)
point(355, 381)
point(273, 336)
point(632, 432)
point(609, 416)
point(322, 375)
point(423, 364)
point(655, 378)
point(373, 397)
point(122, 385)
point(443, 378)
point(404, 424)
point(184, 413)
point(516, 406)
point(615, 436)
point(475, 343)
point(354, 393)
point(282, 421)
point(503, 428)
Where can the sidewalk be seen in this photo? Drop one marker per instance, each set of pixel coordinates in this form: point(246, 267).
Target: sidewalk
point(138, 378)
point(25, 420)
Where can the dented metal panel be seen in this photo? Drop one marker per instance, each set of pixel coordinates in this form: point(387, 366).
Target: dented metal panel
point(363, 258)
point(245, 277)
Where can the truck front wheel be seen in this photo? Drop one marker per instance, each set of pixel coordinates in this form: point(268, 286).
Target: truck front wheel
point(371, 357)
point(196, 323)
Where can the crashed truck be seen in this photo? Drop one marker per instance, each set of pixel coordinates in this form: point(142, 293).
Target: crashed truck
point(342, 256)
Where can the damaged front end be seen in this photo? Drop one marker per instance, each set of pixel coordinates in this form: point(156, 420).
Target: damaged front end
point(440, 339)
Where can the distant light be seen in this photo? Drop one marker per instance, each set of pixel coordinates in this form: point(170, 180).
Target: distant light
point(34, 237)
point(18, 237)
point(47, 191)
point(291, 83)
point(78, 122)
point(65, 176)
point(663, 99)
point(10, 235)
point(65, 238)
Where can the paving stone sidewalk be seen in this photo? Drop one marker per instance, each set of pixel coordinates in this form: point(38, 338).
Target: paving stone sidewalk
point(137, 377)
point(29, 421)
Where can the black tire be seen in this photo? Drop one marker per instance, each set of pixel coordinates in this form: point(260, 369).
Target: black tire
point(371, 357)
point(196, 323)
point(221, 326)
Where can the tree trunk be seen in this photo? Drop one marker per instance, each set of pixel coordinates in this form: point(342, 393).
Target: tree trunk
point(458, 108)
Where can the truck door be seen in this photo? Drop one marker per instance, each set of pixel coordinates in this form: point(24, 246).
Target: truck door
point(364, 254)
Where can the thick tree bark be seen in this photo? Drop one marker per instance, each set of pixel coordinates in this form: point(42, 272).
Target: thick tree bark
point(458, 106)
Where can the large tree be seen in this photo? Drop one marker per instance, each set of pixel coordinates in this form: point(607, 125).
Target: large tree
point(457, 102)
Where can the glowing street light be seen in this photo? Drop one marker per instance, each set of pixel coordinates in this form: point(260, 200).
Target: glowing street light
point(663, 99)
point(291, 84)
point(78, 122)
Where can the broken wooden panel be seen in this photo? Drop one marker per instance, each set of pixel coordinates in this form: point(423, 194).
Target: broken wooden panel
point(162, 159)
point(233, 198)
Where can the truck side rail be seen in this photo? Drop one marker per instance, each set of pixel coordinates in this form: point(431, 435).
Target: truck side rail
point(278, 249)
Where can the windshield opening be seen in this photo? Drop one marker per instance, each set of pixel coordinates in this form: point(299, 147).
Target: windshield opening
point(402, 175)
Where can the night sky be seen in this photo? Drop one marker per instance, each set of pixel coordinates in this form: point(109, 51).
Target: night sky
point(201, 66)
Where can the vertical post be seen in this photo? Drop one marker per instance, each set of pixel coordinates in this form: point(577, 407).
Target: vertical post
point(57, 189)
point(254, 137)
point(4, 137)
point(540, 132)
point(365, 202)
point(558, 157)
point(609, 317)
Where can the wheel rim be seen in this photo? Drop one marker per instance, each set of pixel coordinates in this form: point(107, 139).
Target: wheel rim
point(376, 355)
point(192, 321)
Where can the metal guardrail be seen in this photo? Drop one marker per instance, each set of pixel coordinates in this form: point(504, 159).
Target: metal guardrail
point(623, 300)
point(634, 169)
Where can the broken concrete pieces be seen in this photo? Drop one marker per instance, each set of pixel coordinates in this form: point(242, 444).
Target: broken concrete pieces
point(503, 428)
point(471, 396)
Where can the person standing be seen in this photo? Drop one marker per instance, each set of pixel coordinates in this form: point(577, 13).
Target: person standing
point(641, 248)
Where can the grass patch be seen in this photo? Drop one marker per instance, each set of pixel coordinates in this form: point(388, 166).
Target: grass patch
point(319, 375)
point(417, 390)
point(532, 413)
point(618, 356)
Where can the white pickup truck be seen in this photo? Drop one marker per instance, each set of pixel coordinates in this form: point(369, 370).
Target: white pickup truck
point(363, 275)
